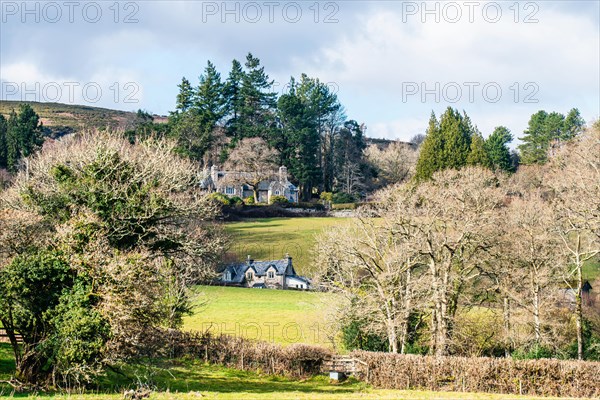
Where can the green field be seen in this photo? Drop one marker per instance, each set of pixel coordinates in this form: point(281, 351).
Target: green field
point(188, 379)
point(279, 316)
point(272, 238)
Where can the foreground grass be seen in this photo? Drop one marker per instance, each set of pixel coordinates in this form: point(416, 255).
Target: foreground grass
point(272, 238)
point(188, 379)
point(279, 316)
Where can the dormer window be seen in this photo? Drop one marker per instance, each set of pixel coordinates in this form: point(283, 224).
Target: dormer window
point(228, 276)
point(271, 274)
point(249, 275)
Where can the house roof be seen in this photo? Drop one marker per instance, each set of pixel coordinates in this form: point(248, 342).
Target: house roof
point(260, 268)
point(301, 279)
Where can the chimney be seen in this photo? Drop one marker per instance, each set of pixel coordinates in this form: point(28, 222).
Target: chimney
point(249, 260)
point(214, 172)
point(283, 176)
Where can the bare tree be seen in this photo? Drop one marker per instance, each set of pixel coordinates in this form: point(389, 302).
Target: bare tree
point(457, 214)
point(373, 265)
point(575, 178)
point(395, 164)
point(253, 162)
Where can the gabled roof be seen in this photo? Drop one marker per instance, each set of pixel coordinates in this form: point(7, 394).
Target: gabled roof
point(238, 271)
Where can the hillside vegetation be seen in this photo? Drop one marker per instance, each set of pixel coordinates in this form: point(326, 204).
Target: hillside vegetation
point(272, 238)
point(61, 119)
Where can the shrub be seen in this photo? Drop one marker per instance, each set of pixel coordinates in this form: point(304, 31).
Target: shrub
point(297, 360)
point(220, 199)
point(326, 197)
point(341, 197)
point(279, 200)
point(249, 201)
point(471, 374)
point(356, 337)
point(236, 201)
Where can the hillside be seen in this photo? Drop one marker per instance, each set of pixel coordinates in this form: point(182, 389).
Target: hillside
point(61, 119)
point(272, 238)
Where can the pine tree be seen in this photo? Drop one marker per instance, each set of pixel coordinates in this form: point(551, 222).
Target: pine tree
point(209, 100)
point(447, 144)
point(431, 149)
point(478, 154)
point(185, 97)
point(497, 150)
point(233, 97)
point(257, 114)
point(328, 116)
point(300, 139)
point(546, 130)
point(3, 128)
point(23, 135)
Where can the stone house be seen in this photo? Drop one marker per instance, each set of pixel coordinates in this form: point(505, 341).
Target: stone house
point(277, 274)
point(277, 185)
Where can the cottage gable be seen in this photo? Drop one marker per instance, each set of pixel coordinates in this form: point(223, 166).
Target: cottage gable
point(277, 185)
point(277, 274)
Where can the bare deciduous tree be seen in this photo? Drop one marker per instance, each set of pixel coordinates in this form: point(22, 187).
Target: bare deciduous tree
point(395, 164)
point(253, 161)
point(575, 178)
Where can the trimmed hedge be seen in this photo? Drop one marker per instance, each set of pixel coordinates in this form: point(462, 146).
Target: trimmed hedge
point(298, 360)
point(546, 377)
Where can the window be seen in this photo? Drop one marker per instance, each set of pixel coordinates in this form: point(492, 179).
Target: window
point(228, 276)
point(277, 193)
point(249, 275)
point(229, 190)
point(271, 274)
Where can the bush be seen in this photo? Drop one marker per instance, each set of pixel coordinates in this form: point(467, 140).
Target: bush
point(341, 197)
point(489, 375)
point(249, 201)
point(356, 337)
point(236, 201)
point(220, 199)
point(326, 197)
point(279, 200)
point(298, 360)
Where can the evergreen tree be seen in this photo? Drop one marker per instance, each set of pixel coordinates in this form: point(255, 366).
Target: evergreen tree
point(185, 98)
point(328, 116)
point(23, 135)
point(300, 143)
point(198, 113)
point(209, 101)
point(447, 144)
point(233, 97)
point(497, 150)
point(535, 142)
point(478, 154)
point(3, 128)
point(430, 157)
point(257, 114)
point(546, 130)
point(350, 168)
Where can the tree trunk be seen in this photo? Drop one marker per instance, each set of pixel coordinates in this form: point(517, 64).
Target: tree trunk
point(392, 337)
point(536, 314)
point(507, 333)
point(578, 300)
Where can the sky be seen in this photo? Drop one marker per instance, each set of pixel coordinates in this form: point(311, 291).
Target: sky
point(391, 62)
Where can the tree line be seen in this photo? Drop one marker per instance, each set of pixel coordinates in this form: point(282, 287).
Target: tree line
point(306, 125)
point(474, 261)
